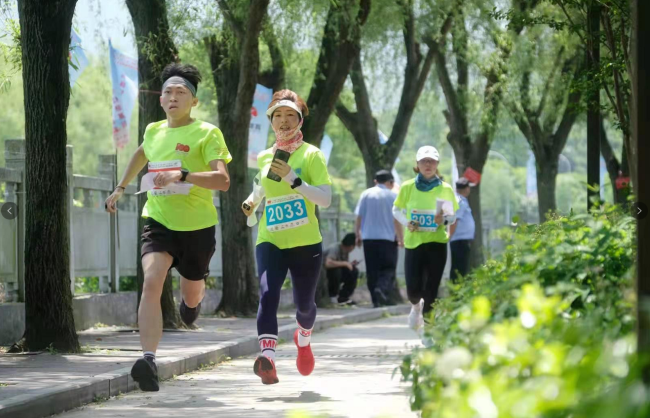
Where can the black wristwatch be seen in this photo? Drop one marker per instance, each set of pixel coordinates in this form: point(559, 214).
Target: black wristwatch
point(184, 173)
point(296, 183)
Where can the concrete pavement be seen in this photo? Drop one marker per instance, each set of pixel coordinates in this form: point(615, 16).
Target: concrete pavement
point(355, 376)
point(41, 384)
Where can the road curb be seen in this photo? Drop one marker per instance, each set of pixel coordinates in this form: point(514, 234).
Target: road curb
point(56, 400)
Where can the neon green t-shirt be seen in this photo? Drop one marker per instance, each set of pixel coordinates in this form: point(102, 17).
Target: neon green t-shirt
point(191, 147)
point(289, 219)
point(422, 205)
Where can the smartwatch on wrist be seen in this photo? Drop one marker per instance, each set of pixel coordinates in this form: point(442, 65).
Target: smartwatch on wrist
point(184, 173)
point(296, 183)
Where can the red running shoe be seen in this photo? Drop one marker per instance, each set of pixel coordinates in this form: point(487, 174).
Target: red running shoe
point(305, 361)
point(265, 368)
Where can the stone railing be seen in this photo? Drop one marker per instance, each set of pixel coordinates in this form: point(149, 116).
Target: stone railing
point(101, 245)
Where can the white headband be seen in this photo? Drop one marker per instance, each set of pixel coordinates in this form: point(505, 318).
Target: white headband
point(283, 103)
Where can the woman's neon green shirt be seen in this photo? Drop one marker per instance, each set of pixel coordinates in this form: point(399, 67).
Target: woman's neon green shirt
point(309, 164)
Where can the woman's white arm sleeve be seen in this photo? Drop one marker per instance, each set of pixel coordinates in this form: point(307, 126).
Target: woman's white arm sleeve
point(320, 195)
point(400, 215)
point(257, 195)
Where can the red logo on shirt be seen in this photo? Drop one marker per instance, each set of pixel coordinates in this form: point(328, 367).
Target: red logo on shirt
point(182, 148)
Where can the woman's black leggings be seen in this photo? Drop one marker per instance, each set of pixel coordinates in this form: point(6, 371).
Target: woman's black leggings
point(304, 263)
point(424, 266)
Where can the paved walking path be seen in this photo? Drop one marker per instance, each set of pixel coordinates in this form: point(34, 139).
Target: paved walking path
point(38, 385)
point(353, 378)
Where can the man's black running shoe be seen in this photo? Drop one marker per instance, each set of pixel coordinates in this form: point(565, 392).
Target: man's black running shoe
point(145, 372)
point(189, 315)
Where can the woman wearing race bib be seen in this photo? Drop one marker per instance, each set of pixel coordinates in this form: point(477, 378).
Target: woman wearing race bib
point(186, 160)
point(288, 237)
point(419, 207)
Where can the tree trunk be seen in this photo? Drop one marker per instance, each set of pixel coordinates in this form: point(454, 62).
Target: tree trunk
point(469, 151)
point(472, 154)
point(45, 40)
point(546, 166)
point(339, 48)
point(477, 252)
point(547, 144)
point(235, 65)
point(239, 277)
point(641, 128)
point(372, 165)
point(593, 112)
point(613, 166)
point(155, 50)
point(363, 125)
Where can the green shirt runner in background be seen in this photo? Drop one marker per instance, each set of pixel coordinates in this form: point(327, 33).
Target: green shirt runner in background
point(411, 199)
point(191, 147)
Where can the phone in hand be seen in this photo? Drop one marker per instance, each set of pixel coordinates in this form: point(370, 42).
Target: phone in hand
point(246, 206)
point(279, 155)
point(355, 262)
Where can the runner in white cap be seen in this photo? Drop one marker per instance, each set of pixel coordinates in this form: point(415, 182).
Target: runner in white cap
point(426, 206)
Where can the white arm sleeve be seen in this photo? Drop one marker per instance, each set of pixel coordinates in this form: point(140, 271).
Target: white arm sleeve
point(256, 197)
point(400, 215)
point(320, 195)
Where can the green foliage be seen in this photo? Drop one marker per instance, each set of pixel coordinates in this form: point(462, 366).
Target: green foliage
point(10, 51)
point(569, 18)
point(85, 285)
point(547, 330)
point(128, 284)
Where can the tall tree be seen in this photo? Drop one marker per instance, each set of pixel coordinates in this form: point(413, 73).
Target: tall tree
point(234, 57)
point(45, 42)
point(614, 75)
point(471, 144)
point(546, 125)
point(363, 125)
point(340, 48)
point(155, 50)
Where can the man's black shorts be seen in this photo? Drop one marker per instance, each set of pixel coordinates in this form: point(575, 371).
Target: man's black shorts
point(192, 250)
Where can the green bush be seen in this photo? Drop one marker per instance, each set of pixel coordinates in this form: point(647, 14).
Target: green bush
point(547, 330)
point(128, 284)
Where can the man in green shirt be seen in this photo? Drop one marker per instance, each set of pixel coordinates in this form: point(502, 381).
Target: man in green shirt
point(186, 160)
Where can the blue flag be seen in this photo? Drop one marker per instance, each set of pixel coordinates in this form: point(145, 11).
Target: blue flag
point(124, 74)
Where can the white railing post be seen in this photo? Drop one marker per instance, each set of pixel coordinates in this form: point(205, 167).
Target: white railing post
point(15, 160)
point(70, 176)
point(107, 168)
